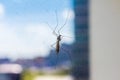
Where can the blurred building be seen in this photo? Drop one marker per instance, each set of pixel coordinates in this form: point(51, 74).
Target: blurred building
point(80, 52)
point(4, 60)
point(10, 71)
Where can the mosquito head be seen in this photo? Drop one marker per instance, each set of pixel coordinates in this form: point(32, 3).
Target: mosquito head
point(59, 38)
point(60, 35)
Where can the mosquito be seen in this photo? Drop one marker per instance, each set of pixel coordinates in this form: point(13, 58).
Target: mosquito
point(59, 36)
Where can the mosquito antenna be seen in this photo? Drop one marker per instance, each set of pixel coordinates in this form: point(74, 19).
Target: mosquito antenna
point(64, 23)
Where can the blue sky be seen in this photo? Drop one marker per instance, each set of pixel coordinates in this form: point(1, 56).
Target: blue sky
point(23, 29)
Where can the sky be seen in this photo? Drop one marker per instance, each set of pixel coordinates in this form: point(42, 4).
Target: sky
point(24, 32)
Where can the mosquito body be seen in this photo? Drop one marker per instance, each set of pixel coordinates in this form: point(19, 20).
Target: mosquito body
point(59, 38)
point(58, 44)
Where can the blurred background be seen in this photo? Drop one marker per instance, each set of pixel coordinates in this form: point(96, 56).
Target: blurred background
point(90, 50)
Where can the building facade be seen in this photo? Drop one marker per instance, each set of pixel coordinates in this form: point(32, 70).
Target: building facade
point(81, 46)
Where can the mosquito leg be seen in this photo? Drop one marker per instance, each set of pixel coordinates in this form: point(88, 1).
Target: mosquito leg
point(57, 58)
point(56, 24)
point(63, 24)
point(68, 52)
point(53, 45)
point(55, 33)
point(67, 36)
point(52, 29)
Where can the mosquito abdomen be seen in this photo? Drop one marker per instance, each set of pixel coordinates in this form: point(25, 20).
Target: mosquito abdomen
point(57, 47)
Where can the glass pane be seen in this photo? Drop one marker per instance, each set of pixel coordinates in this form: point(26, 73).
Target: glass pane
point(27, 38)
point(44, 39)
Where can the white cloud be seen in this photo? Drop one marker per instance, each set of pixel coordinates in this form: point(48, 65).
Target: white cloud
point(68, 13)
point(41, 33)
point(2, 10)
point(36, 40)
point(9, 41)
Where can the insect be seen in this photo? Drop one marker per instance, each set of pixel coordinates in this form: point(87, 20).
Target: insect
point(58, 44)
point(59, 37)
